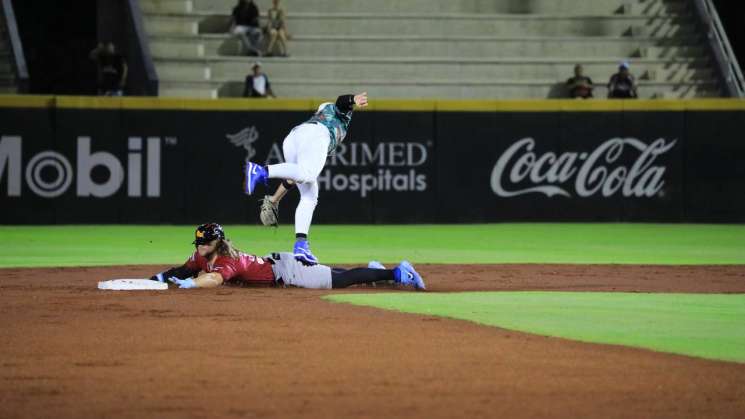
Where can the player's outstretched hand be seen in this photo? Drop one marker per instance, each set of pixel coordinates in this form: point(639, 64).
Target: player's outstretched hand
point(361, 99)
point(183, 283)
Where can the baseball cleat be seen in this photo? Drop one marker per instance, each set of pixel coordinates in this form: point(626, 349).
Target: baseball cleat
point(303, 254)
point(405, 274)
point(254, 173)
point(374, 264)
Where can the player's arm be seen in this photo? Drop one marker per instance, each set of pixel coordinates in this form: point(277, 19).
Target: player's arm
point(208, 280)
point(181, 272)
point(346, 103)
point(204, 280)
point(269, 211)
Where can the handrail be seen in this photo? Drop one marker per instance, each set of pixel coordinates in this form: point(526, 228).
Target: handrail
point(151, 77)
point(17, 46)
point(723, 53)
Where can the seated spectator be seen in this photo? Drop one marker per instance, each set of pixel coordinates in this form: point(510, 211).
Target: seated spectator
point(580, 86)
point(257, 84)
point(277, 27)
point(245, 25)
point(622, 84)
point(112, 69)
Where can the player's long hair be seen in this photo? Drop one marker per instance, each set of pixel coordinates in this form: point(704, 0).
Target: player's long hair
point(225, 248)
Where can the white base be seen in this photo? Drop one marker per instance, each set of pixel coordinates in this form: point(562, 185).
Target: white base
point(132, 284)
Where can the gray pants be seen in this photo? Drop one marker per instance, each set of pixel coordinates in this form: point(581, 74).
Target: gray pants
point(294, 274)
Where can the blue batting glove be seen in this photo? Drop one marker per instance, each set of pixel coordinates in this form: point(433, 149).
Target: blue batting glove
point(183, 283)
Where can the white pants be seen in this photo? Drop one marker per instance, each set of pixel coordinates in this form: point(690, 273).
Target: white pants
point(305, 150)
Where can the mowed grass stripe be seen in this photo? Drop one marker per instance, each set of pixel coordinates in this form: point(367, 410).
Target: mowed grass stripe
point(665, 244)
point(701, 325)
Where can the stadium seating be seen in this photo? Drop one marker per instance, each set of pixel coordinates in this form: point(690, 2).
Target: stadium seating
point(436, 48)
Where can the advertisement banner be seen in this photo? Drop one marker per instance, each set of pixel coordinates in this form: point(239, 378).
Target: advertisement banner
point(82, 165)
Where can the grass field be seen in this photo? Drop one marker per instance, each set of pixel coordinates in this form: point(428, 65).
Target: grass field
point(666, 244)
point(626, 340)
point(703, 325)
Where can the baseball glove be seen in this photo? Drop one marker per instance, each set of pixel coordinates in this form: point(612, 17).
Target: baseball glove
point(269, 212)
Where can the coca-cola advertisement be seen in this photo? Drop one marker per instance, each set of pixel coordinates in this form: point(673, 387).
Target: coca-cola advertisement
point(582, 174)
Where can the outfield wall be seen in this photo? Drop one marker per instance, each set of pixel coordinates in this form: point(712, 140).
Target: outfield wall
point(151, 160)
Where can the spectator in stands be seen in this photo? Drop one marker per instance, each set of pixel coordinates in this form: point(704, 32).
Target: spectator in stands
point(277, 27)
point(112, 69)
point(257, 84)
point(579, 86)
point(622, 84)
point(245, 25)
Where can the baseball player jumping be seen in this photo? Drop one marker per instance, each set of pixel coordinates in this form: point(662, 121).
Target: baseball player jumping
point(216, 261)
point(305, 150)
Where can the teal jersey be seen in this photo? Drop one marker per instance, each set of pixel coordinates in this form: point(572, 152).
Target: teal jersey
point(335, 121)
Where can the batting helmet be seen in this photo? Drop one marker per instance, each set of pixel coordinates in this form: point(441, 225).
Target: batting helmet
point(207, 232)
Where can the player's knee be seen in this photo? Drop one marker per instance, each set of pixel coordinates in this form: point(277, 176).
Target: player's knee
point(306, 176)
point(311, 201)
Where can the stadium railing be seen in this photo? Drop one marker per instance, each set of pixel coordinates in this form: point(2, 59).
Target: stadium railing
point(19, 59)
point(719, 43)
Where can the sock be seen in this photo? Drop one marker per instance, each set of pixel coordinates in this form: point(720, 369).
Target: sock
point(341, 278)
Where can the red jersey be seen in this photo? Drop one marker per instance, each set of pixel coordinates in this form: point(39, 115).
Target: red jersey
point(248, 269)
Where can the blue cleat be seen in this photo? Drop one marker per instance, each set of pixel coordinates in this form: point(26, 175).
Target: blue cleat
point(405, 274)
point(254, 173)
point(374, 264)
point(303, 254)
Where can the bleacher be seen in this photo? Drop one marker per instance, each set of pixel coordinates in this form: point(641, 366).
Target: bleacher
point(436, 48)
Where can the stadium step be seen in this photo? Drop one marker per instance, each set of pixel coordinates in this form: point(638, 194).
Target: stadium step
point(236, 68)
point(171, 6)
point(439, 25)
point(648, 7)
point(462, 46)
point(490, 89)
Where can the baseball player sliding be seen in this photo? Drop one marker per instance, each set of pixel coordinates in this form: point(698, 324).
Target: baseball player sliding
point(305, 150)
point(216, 261)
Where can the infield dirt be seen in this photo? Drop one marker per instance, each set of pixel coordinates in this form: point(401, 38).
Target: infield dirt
point(70, 351)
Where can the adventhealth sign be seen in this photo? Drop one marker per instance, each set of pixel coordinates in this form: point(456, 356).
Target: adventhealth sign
point(49, 174)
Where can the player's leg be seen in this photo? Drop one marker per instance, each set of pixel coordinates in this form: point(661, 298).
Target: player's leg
point(255, 173)
point(403, 274)
point(313, 149)
point(290, 272)
point(342, 278)
point(303, 219)
point(290, 150)
point(310, 144)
